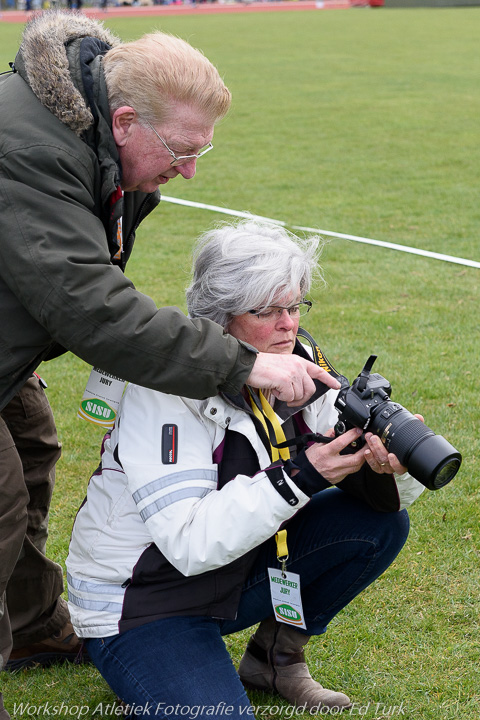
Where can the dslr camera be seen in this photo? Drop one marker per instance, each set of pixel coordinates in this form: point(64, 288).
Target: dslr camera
point(366, 404)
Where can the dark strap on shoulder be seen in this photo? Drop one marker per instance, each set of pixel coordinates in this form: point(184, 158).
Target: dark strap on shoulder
point(319, 357)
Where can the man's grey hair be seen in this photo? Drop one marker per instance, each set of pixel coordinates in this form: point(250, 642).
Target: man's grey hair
point(154, 72)
point(249, 265)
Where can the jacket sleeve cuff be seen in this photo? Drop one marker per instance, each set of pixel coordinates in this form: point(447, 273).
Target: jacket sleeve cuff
point(238, 376)
point(309, 480)
point(276, 476)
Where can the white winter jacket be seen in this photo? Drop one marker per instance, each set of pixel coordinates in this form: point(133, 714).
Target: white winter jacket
point(140, 503)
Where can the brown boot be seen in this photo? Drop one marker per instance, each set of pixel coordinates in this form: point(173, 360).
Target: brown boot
point(62, 646)
point(274, 661)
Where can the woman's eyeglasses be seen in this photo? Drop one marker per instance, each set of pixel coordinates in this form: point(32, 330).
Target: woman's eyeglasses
point(275, 311)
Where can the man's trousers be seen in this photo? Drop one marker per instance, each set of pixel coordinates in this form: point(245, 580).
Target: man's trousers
point(31, 608)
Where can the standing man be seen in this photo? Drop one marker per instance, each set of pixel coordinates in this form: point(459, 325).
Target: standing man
point(90, 128)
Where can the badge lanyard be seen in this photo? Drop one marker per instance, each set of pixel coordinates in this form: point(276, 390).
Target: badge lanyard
point(103, 393)
point(119, 253)
point(282, 549)
point(117, 195)
point(284, 586)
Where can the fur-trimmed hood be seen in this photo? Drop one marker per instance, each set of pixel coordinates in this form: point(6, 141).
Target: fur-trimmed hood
point(46, 65)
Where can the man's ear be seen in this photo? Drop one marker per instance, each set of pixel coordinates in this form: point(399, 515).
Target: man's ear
point(123, 120)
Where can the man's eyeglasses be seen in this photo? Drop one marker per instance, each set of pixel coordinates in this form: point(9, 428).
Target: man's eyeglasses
point(274, 312)
point(180, 159)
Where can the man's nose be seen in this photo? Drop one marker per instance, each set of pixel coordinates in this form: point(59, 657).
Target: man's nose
point(188, 169)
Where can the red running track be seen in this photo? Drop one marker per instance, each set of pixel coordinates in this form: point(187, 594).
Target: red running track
point(206, 8)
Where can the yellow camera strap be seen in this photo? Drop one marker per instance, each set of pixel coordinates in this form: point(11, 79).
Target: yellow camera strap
point(264, 412)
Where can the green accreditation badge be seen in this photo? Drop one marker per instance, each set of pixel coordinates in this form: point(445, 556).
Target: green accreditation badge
point(101, 399)
point(286, 599)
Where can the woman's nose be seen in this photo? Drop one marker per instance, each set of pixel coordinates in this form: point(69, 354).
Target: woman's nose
point(285, 320)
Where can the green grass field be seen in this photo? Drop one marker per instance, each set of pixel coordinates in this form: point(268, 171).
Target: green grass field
point(360, 122)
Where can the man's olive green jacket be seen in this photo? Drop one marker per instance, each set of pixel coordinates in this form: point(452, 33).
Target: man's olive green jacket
point(61, 287)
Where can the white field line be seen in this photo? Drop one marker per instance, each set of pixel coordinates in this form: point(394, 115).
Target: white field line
point(318, 231)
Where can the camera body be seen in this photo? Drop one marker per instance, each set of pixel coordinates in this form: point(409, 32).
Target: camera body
point(357, 402)
point(366, 404)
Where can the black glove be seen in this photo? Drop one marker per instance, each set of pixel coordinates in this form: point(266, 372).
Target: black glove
point(309, 480)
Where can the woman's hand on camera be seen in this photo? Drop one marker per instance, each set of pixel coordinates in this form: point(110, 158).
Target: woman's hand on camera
point(326, 459)
point(378, 457)
point(334, 467)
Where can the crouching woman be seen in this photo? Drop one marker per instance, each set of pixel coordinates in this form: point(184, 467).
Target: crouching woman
point(172, 548)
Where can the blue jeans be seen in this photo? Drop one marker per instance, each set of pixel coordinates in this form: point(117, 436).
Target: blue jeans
point(180, 667)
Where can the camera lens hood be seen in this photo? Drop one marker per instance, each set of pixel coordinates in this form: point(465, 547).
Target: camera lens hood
point(434, 462)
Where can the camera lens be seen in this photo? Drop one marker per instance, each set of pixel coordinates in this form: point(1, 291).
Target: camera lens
point(447, 472)
point(434, 462)
point(429, 457)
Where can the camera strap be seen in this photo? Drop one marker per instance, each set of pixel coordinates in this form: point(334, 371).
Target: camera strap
point(266, 415)
point(319, 357)
point(12, 69)
point(264, 412)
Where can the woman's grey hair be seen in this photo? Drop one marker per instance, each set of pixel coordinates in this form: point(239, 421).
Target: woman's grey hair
point(249, 265)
